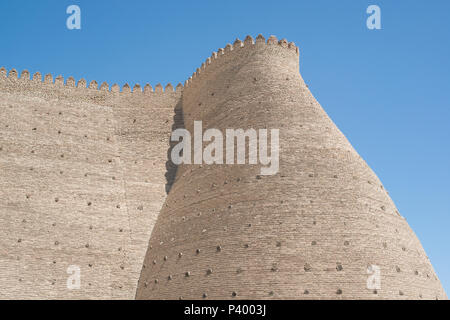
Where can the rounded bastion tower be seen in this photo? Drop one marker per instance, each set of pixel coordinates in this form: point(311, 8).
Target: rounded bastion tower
point(322, 227)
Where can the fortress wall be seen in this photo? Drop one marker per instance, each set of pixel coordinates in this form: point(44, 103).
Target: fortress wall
point(82, 178)
point(309, 231)
point(84, 173)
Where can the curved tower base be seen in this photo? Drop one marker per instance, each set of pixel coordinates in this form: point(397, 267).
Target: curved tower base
point(323, 227)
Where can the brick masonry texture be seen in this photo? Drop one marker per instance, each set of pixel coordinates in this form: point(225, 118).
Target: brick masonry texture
point(84, 174)
point(82, 179)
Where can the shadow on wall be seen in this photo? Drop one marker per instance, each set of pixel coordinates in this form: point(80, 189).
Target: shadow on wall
point(178, 123)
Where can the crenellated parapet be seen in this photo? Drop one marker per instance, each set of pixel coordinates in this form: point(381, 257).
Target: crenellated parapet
point(70, 82)
point(226, 53)
point(239, 47)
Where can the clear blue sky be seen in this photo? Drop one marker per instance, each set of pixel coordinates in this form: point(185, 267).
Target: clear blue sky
point(388, 90)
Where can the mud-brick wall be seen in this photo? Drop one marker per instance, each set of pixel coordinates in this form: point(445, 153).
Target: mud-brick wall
point(82, 179)
point(308, 232)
